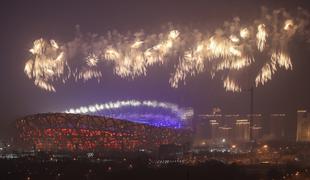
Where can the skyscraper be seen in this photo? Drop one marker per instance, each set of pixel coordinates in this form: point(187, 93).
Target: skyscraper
point(256, 126)
point(226, 133)
point(227, 129)
point(257, 132)
point(230, 120)
point(242, 130)
point(208, 126)
point(214, 129)
point(277, 126)
point(202, 124)
point(303, 126)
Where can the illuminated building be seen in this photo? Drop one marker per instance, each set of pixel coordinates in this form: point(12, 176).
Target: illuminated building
point(226, 133)
point(303, 126)
point(201, 128)
point(230, 119)
point(214, 129)
point(277, 126)
point(73, 132)
point(256, 126)
point(242, 130)
point(187, 118)
point(228, 126)
point(208, 126)
point(257, 132)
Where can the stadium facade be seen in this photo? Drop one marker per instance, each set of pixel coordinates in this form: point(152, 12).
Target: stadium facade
point(74, 132)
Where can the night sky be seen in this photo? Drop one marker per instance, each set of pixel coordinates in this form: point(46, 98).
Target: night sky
point(24, 21)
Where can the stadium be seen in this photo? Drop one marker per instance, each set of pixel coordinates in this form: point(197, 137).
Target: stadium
point(97, 129)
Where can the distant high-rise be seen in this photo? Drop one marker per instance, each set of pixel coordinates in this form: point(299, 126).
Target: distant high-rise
point(242, 130)
point(230, 120)
point(303, 126)
point(208, 124)
point(214, 129)
point(201, 128)
point(277, 126)
point(188, 118)
point(257, 132)
point(226, 133)
point(256, 126)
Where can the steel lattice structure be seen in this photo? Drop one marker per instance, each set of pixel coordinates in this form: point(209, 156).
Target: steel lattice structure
point(73, 132)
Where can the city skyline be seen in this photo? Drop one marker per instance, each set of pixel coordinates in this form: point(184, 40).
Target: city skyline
point(264, 127)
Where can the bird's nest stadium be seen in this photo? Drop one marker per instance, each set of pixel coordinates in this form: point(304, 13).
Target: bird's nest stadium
point(77, 130)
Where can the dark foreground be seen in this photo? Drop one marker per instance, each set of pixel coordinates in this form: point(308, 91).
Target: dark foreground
point(140, 169)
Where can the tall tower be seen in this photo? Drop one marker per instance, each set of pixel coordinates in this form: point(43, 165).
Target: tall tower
point(303, 126)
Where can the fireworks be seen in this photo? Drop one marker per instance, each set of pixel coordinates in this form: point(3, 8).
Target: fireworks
point(289, 25)
point(48, 64)
point(229, 52)
point(231, 85)
point(92, 60)
point(261, 37)
point(244, 33)
point(128, 103)
point(265, 73)
point(181, 114)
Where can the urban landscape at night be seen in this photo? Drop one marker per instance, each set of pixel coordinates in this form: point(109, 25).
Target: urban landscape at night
point(165, 89)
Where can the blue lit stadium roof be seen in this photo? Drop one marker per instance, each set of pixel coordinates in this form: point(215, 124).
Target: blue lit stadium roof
point(159, 114)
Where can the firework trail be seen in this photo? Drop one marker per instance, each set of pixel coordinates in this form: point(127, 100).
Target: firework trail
point(183, 113)
point(230, 52)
